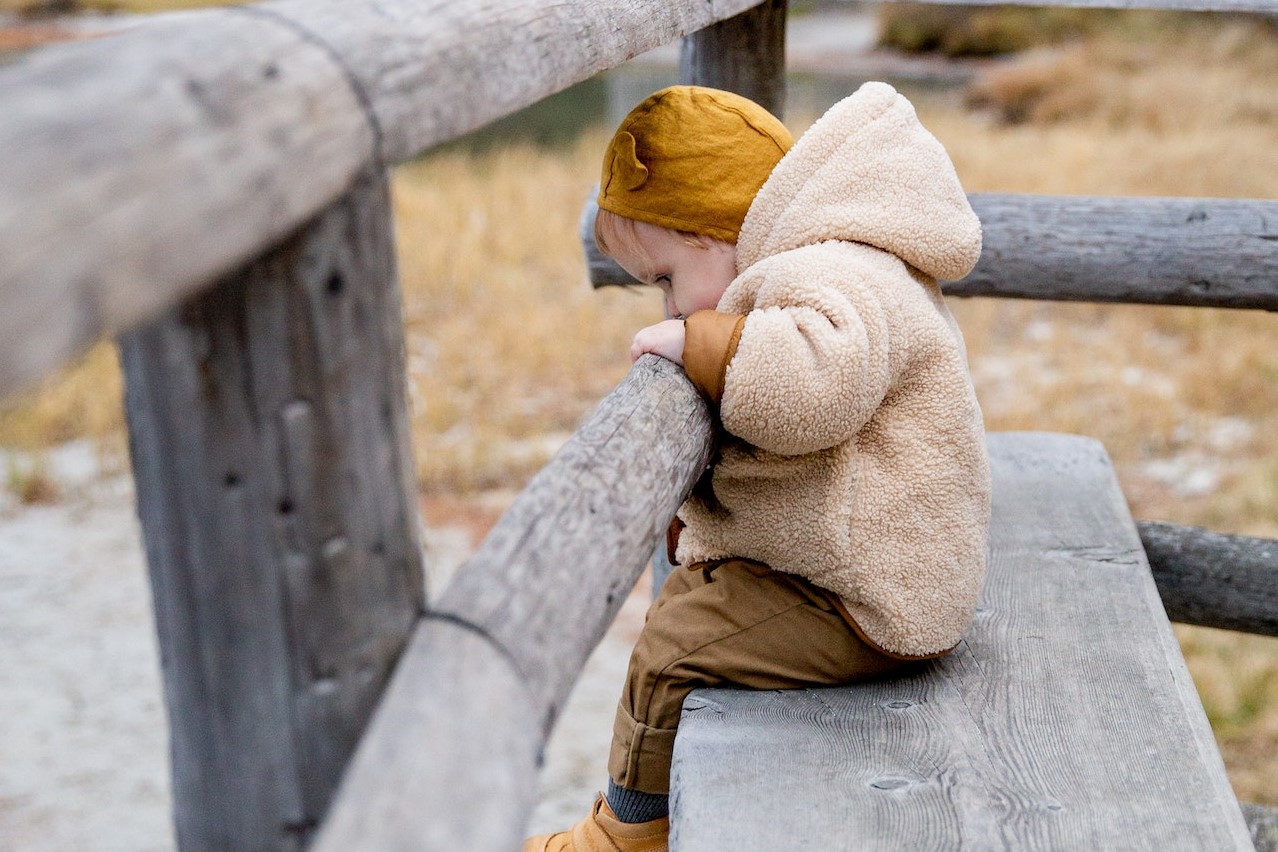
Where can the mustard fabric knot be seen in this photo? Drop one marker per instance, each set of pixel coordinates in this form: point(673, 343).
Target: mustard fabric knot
point(626, 166)
point(691, 158)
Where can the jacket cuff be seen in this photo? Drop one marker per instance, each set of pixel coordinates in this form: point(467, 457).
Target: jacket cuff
point(673, 531)
point(710, 341)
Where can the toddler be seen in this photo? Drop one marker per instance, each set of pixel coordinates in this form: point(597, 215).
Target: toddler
point(840, 532)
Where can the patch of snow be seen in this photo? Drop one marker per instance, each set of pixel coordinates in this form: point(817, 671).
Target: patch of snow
point(1224, 435)
point(1188, 474)
point(1039, 331)
point(83, 749)
point(1229, 433)
point(1137, 377)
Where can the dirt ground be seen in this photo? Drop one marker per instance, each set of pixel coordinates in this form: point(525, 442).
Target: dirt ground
point(83, 747)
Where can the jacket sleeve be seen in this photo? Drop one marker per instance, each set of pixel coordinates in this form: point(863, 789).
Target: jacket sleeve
point(710, 341)
point(812, 362)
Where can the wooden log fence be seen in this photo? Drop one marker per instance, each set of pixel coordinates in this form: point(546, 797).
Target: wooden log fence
point(1177, 5)
point(181, 149)
point(222, 176)
point(492, 664)
point(1212, 579)
point(744, 54)
point(269, 434)
point(1199, 252)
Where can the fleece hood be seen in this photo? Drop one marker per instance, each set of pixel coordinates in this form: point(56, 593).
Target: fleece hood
point(867, 172)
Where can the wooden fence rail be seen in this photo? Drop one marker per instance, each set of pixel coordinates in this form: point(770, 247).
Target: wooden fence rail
point(173, 152)
point(490, 667)
point(1201, 252)
point(1212, 579)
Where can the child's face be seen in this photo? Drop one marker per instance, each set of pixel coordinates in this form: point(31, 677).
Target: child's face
point(692, 277)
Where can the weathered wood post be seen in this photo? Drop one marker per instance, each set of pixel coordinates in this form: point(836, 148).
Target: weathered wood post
point(743, 54)
point(270, 445)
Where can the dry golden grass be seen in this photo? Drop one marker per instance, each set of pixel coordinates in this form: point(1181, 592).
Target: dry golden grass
point(82, 401)
point(983, 30)
point(507, 344)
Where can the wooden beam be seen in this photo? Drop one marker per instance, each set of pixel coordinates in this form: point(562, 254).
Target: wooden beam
point(269, 437)
point(1264, 6)
point(540, 593)
point(1262, 822)
point(451, 757)
point(1160, 251)
point(744, 54)
point(1213, 579)
point(137, 167)
point(1202, 252)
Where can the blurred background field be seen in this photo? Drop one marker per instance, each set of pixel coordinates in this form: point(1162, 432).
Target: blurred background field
point(508, 347)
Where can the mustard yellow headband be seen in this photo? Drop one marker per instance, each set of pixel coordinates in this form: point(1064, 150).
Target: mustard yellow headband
point(692, 159)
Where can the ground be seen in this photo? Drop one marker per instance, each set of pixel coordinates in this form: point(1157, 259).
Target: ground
point(84, 746)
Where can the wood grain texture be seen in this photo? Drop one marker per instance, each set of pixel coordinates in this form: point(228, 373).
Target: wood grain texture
point(551, 575)
point(1262, 822)
point(443, 760)
point(451, 757)
point(1213, 579)
point(744, 54)
point(269, 436)
point(136, 168)
point(1065, 720)
point(433, 69)
point(1182, 5)
point(1159, 251)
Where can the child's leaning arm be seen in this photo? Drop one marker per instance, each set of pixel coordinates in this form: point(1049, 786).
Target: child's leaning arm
point(664, 338)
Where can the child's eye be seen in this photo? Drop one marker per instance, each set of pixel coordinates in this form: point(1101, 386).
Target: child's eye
point(662, 280)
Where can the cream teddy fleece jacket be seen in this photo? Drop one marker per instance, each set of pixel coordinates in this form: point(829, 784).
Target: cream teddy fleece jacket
point(854, 452)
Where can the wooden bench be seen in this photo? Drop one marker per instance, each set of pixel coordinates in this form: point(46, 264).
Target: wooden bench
point(1066, 719)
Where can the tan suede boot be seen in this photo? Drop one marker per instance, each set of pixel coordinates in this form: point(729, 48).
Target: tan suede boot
point(603, 832)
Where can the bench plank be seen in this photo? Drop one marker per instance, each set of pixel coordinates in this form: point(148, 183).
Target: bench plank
point(1065, 720)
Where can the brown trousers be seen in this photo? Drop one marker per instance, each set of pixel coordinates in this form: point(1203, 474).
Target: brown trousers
point(733, 623)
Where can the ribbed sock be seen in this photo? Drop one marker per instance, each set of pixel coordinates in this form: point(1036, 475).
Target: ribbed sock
point(635, 806)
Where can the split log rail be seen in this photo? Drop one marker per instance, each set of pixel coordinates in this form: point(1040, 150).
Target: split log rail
point(211, 188)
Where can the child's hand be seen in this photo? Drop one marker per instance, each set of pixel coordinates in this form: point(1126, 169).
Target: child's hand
point(664, 339)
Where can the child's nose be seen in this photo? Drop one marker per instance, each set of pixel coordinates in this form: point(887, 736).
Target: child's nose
point(671, 309)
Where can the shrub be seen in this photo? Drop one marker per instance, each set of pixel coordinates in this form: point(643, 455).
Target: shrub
point(980, 30)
